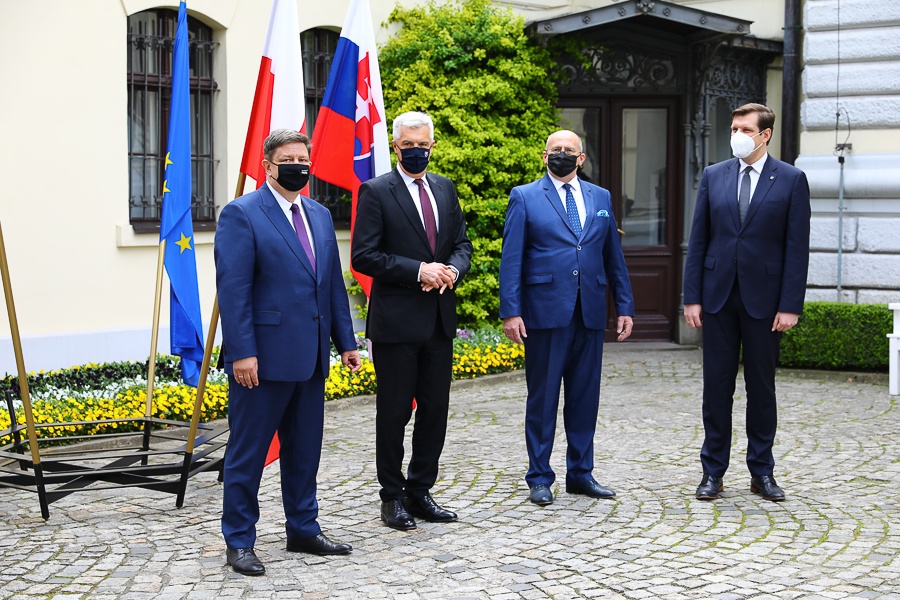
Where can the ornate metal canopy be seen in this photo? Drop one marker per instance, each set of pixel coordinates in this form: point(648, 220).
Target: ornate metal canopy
point(662, 48)
point(669, 11)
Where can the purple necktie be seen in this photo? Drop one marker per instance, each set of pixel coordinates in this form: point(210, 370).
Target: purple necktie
point(427, 215)
point(301, 233)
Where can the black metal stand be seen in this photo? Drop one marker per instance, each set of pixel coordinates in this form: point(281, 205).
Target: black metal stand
point(155, 457)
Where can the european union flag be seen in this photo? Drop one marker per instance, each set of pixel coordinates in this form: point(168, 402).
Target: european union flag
point(176, 229)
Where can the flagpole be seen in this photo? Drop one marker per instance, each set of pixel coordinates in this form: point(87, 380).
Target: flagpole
point(23, 379)
point(154, 339)
point(201, 384)
point(207, 351)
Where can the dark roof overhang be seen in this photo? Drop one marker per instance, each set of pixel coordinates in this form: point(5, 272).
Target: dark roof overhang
point(674, 17)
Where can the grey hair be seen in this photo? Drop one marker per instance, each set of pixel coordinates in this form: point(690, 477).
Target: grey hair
point(283, 137)
point(580, 141)
point(413, 120)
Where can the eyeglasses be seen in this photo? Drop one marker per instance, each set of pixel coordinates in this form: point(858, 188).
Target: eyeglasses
point(569, 151)
point(406, 144)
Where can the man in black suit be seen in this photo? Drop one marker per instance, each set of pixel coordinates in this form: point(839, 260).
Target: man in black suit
point(410, 237)
point(744, 283)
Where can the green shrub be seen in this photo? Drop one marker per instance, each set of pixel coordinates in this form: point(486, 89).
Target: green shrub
point(491, 92)
point(834, 335)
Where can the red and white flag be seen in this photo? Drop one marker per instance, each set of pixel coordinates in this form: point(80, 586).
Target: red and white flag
point(279, 100)
point(278, 103)
point(350, 141)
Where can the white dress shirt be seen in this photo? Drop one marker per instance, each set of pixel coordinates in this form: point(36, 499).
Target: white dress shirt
point(755, 172)
point(285, 207)
point(576, 193)
point(413, 190)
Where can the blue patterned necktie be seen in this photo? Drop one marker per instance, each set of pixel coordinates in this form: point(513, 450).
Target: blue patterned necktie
point(572, 210)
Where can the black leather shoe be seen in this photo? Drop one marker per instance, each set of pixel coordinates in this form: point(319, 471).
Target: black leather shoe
point(426, 508)
point(709, 487)
point(589, 487)
point(541, 495)
point(765, 486)
point(244, 561)
point(318, 544)
point(394, 515)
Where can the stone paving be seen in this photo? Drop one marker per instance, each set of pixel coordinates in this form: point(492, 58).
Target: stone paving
point(836, 536)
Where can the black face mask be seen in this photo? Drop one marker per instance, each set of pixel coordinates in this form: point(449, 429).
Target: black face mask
point(292, 176)
point(414, 160)
point(561, 164)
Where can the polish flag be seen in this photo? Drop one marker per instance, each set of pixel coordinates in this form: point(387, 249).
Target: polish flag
point(279, 100)
point(277, 104)
point(350, 141)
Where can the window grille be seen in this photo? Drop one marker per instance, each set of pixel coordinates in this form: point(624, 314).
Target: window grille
point(151, 36)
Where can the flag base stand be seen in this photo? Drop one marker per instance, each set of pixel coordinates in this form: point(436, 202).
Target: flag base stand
point(155, 459)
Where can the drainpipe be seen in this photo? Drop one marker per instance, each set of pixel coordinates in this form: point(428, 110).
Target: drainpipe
point(790, 82)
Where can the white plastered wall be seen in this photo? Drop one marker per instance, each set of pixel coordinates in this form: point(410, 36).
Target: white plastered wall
point(83, 281)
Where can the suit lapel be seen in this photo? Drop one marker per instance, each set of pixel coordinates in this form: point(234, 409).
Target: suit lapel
point(405, 201)
point(765, 183)
point(552, 196)
point(590, 210)
point(731, 191)
point(269, 206)
point(319, 235)
point(442, 200)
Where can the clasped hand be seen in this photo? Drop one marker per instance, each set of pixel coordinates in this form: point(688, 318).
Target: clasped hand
point(436, 276)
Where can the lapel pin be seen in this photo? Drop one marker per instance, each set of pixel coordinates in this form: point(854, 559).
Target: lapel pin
point(771, 177)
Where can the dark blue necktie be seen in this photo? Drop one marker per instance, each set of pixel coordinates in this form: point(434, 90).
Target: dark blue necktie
point(744, 194)
point(572, 210)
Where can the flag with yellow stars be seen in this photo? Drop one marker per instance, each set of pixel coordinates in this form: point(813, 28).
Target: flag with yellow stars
point(176, 228)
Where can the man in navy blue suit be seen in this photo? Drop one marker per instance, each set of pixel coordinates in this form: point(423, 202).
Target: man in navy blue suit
point(561, 253)
point(282, 298)
point(744, 283)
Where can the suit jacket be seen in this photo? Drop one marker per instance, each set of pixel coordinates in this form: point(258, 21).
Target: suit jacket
point(769, 254)
point(545, 265)
point(273, 305)
point(389, 244)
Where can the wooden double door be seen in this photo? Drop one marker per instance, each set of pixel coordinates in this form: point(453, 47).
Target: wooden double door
point(632, 150)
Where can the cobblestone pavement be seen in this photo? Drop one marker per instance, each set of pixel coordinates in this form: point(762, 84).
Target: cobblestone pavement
point(837, 535)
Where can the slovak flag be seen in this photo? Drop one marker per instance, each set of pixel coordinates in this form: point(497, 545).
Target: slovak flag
point(350, 141)
point(279, 100)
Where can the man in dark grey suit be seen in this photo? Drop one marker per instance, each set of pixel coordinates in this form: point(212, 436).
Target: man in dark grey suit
point(410, 237)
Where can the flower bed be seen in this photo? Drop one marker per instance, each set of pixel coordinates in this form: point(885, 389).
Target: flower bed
point(100, 392)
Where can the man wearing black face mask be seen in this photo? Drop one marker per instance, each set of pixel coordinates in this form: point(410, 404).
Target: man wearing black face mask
point(410, 237)
point(561, 252)
point(282, 299)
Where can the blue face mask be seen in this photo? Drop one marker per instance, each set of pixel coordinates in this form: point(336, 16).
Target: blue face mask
point(414, 160)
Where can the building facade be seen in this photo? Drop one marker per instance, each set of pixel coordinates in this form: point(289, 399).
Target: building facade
point(84, 107)
point(851, 110)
